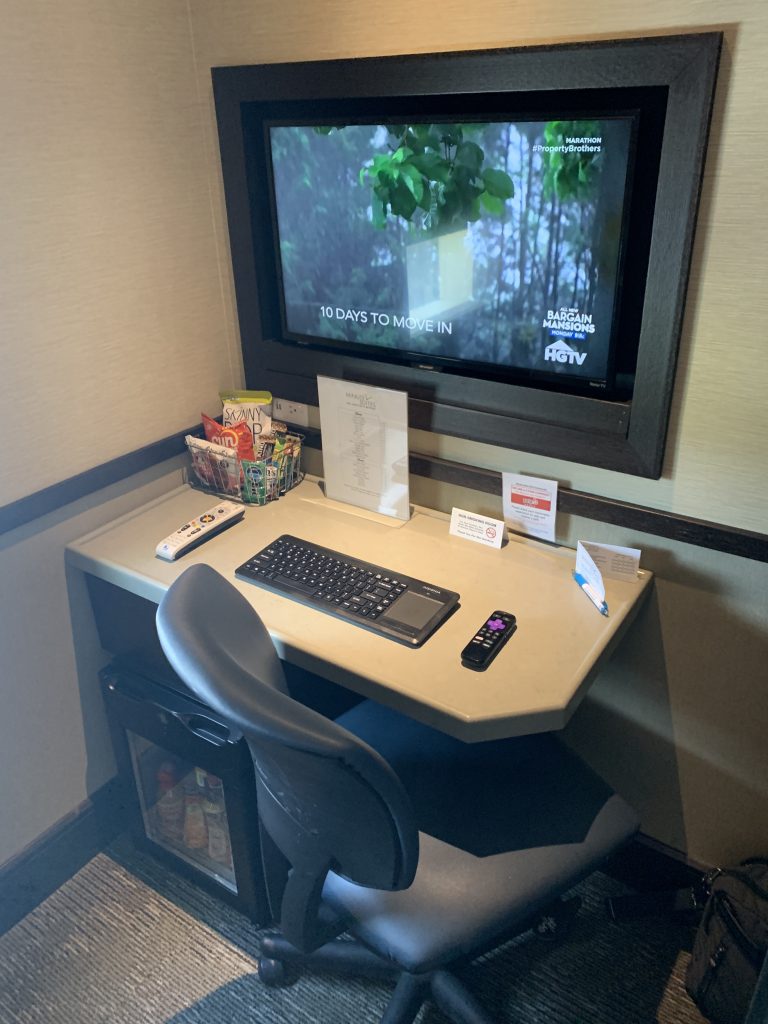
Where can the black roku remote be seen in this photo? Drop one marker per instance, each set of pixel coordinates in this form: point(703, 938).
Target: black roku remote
point(488, 640)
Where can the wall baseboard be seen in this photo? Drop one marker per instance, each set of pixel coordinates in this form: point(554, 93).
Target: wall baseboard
point(665, 884)
point(27, 879)
point(647, 865)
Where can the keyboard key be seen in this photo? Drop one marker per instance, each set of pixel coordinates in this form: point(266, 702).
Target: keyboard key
point(294, 584)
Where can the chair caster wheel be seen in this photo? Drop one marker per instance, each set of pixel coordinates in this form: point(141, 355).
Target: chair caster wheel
point(271, 972)
point(557, 919)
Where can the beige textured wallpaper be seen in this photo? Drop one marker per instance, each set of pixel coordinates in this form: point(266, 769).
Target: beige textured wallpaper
point(112, 331)
point(717, 462)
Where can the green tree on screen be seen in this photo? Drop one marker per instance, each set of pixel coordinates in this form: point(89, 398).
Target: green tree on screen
point(570, 175)
point(434, 177)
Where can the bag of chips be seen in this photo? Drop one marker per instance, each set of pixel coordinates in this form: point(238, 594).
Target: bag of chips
point(237, 438)
point(253, 408)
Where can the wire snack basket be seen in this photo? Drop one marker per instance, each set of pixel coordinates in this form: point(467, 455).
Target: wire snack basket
point(253, 482)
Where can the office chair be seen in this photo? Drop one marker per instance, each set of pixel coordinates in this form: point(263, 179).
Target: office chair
point(427, 851)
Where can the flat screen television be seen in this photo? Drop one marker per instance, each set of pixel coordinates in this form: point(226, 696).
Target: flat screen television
point(493, 248)
point(504, 234)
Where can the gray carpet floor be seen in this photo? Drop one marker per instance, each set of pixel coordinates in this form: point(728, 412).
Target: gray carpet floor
point(127, 942)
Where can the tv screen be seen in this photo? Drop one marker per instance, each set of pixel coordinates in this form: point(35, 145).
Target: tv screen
point(519, 220)
point(489, 244)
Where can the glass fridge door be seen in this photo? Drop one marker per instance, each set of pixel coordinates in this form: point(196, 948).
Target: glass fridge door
point(184, 809)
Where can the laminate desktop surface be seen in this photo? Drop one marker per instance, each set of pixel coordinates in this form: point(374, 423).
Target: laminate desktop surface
point(535, 683)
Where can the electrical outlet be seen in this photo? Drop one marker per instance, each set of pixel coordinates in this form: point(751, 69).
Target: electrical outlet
point(291, 412)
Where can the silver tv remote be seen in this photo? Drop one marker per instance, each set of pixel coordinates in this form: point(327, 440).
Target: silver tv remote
point(198, 530)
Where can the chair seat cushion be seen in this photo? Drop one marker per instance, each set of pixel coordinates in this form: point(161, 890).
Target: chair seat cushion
point(505, 828)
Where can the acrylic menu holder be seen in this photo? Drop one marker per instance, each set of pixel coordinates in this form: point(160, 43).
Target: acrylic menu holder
point(319, 497)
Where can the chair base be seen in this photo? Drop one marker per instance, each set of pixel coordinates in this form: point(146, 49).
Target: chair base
point(351, 957)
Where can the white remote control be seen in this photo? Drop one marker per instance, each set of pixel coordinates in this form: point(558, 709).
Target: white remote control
point(199, 529)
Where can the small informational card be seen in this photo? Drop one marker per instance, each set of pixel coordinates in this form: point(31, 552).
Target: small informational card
point(588, 570)
point(613, 562)
point(589, 578)
point(481, 529)
point(365, 446)
point(530, 505)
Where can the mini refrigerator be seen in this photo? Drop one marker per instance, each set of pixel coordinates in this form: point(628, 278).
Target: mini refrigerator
point(189, 786)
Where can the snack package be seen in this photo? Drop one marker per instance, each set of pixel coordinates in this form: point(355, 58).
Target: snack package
point(237, 438)
point(281, 442)
point(253, 408)
point(215, 466)
point(255, 482)
point(265, 446)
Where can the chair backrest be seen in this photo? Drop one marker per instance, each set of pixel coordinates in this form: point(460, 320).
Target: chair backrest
point(326, 799)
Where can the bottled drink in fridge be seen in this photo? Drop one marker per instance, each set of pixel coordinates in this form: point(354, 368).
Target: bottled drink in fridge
point(216, 820)
point(170, 803)
point(195, 828)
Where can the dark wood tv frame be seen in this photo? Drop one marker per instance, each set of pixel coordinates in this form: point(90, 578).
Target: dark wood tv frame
point(627, 435)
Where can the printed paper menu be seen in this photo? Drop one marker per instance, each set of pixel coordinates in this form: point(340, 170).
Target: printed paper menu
point(365, 446)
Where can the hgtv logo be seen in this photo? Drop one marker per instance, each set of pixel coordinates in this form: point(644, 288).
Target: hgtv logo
point(560, 352)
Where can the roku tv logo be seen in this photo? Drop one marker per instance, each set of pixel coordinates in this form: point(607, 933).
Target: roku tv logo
point(560, 352)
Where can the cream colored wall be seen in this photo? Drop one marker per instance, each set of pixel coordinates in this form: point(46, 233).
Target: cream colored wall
point(112, 335)
point(54, 745)
point(111, 326)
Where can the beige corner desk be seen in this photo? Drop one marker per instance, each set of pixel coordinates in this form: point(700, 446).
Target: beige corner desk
point(535, 683)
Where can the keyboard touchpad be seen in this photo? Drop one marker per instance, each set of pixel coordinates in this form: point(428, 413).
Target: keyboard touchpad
point(413, 610)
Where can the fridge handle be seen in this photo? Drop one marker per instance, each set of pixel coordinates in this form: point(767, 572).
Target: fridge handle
point(205, 728)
